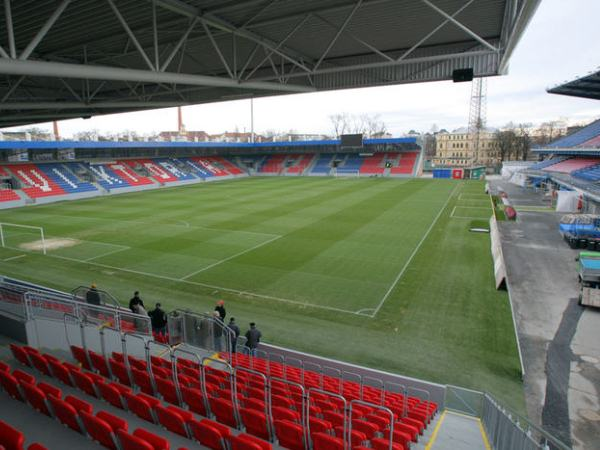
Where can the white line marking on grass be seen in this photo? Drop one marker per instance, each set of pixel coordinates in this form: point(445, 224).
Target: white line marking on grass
point(211, 286)
point(230, 258)
point(121, 248)
point(13, 257)
point(415, 251)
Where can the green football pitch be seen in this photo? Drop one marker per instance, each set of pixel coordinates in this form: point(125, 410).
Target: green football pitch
point(380, 272)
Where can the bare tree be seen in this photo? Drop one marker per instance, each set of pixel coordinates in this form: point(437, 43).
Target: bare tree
point(339, 123)
point(523, 142)
point(507, 144)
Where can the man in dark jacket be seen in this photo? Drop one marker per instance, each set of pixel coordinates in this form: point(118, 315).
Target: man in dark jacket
point(221, 310)
point(235, 333)
point(253, 336)
point(158, 318)
point(92, 296)
point(135, 301)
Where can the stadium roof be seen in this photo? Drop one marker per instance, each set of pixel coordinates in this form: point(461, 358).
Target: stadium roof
point(79, 58)
point(585, 87)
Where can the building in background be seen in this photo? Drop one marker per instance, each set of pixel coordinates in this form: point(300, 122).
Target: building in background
point(458, 149)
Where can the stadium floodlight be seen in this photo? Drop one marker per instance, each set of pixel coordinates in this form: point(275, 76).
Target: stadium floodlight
point(26, 238)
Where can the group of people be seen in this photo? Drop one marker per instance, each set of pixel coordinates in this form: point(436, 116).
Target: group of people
point(252, 336)
point(158, 319)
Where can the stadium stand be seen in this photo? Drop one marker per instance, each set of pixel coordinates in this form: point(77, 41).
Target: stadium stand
point(546, 163)
point(579, 138)
point(591, 173)
point(350, 164)
point(118, 175)
point(297, 164)
point(273, 164)
point(37, 183)
point(196, 168)
point(323, 164)
point(154, 170)
point(63, 176)
point(592, 143)
point(571, 165)
point(224, 164)
point(8, 195)
point(406, 163)
point(373, 164)
point(209, 165)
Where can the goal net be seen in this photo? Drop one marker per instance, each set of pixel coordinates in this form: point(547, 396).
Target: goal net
point(22, 237)
point(341, 172)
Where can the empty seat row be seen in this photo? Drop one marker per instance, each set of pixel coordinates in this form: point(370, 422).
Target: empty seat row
point(13, 439)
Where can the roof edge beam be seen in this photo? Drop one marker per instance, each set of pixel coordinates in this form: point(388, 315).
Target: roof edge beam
point(44, 30)
point(104, 73)
point(461, 26)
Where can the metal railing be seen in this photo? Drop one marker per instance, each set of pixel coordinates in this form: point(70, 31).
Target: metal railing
point(508, 430)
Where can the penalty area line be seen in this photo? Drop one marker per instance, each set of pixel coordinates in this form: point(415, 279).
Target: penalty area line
point(13, 257)
point(211, 286)
point(413, 254)
point(210, 266)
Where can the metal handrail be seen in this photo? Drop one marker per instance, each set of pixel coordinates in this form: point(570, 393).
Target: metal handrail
point(124, 337)
point(378, 381)
point(149, 368)
point(115, 302)
point(305, 413)
point(267, 396)
point(232, 381)
point(403, 392)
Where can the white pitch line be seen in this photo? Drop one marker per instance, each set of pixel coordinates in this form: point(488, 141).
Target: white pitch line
point(230, 258)
point(122, 249)
point(415, 251)
point(13, 257)
point(211, 286)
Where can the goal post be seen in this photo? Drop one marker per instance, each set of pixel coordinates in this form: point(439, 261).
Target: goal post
point(341, 173)
point(14, 235)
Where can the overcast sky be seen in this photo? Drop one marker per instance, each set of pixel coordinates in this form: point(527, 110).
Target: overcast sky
point(561, 43)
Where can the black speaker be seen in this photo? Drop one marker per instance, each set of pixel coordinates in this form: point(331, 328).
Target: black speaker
point(462, 75)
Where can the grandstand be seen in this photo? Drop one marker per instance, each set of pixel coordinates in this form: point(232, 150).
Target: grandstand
point(88, 176)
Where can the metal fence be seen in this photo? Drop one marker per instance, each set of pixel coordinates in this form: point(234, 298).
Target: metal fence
point(199, 330)
point(12, 303)
point(507, 430)
point(463, 400)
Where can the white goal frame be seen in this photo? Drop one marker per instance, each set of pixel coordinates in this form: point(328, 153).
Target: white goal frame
point(347, 174)
point(29, 227)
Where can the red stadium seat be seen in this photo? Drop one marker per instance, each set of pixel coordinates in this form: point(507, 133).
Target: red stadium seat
point(255, 423)
point(36, 446)
point(99, 364)
point(65, 413)
point(78, 404)
point(20, 355)
point(130, 442)
point(142, 406)
point(290, 435)
point(368, 428)
point(23, 377)
point(194, 400)
point(223, 411)
point(48, 389)
point(99, 430)
point(85, 382)
point(119, 371)
point(207, 434)
point(319, 425)
point(80, 356)
point(60, 372)
point(142, 380)
point(110, 394)
point(35, 397)
point(40, 363)
point(10, 385)
point(157, 442)
point(167, 390)
point(384, 444)
point(322, 441)
point(172, 420)
point(11, 438)
point(280, 413)
point(116, 423)
point(4, 367)
point(248, 442)
point(358, 437)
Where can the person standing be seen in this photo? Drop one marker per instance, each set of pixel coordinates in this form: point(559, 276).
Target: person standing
point(220, 308)
point(135, 302)
point(158, 318)
point(92, 296)
point(253, 336)
point(234, 334)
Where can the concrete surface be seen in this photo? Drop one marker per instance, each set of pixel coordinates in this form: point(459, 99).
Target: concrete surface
point(559, 339)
